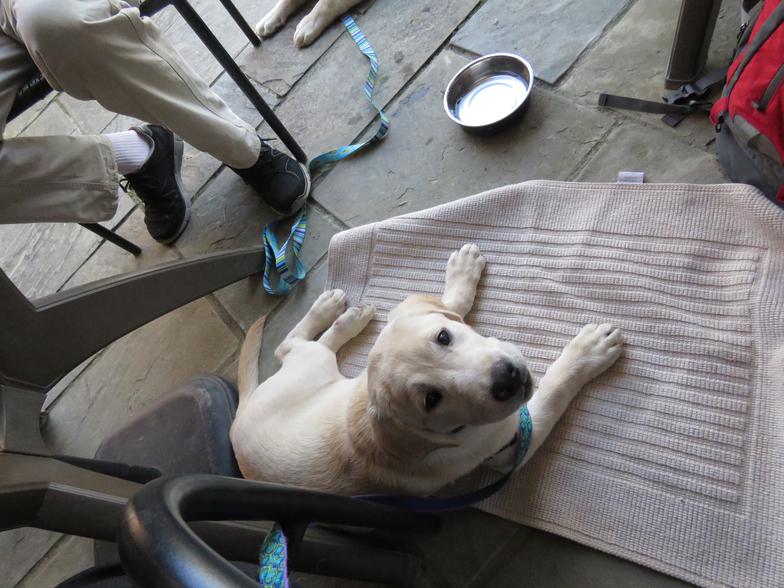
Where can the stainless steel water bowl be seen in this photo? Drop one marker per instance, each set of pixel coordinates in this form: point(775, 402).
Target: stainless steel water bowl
point(490, 93)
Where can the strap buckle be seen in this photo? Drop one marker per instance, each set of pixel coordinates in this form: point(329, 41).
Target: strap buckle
point(687, 93)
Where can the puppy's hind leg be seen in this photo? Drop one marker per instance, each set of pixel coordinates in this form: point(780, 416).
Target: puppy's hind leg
point(463, 271)
point(327, 307)
point(347, 326)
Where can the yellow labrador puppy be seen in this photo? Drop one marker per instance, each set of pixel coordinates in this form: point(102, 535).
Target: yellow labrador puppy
point(310, 27)
point(436, 401)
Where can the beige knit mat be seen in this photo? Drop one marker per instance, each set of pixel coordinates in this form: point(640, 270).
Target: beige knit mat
point(675, 458)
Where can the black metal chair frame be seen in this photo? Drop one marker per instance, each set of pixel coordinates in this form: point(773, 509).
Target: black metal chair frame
point(44, 339)
point(37, 87)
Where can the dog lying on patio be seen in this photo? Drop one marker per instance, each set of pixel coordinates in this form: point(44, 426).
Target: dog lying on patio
point(309, 28)
point(436, 401)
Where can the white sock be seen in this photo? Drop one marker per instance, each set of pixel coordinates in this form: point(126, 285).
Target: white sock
point(131, 150)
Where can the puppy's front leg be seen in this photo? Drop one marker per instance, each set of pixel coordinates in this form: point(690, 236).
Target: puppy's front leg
point(591, 352)
point(347, 326)
point(327, 307)
point(463, 271)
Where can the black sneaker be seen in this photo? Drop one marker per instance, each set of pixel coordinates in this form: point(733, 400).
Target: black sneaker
point(167, 207)
point(281, 181)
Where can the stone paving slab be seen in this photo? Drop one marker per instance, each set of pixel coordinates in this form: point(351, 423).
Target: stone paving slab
point(90, 117)
point(278, 64)
point(20, 550)
point(616, 65)
point(633, 147)
point(39, 258)
point(135, 371)
point(17, 126)
point(547, 561)
point(194, 52)
point(69, 556)
point(550, 34)
point(228, 215)
point(109, 260)
point(466, 544)
point(53, 120)
point(225, 87)
point(427, 160)
point(328, 108)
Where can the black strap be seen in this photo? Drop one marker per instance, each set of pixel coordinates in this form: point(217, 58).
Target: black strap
point(638, 105)
point(676, 106)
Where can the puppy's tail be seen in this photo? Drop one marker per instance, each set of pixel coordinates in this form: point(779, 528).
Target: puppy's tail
point(248, 367)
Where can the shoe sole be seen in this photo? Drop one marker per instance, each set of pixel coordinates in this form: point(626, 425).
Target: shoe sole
point(178, 150)
point(302, 198)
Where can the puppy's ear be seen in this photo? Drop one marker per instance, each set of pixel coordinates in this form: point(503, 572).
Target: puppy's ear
point(422, 304)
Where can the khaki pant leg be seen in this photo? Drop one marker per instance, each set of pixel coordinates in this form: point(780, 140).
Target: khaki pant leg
point(103, 50)
point(49, 179)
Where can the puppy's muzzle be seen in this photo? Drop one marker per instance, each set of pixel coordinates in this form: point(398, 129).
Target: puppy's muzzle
point(510, 381)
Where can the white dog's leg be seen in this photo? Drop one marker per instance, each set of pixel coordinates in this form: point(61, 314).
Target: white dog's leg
point(463, 271)
point(591, 352)
point(277, 17)
point(322, 15)
point(327, 307)
point(347, 326)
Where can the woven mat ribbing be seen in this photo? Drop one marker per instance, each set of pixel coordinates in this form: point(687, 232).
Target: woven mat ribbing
point(675, 457)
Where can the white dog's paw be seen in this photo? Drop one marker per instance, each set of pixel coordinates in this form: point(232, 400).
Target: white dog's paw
point(309, 28)
point(463, 271)
point(270, 23)
point(592, 351)
point(465, 265)
point(356, 316)
point(354, 320)
point(329, 306)
point(347, 326)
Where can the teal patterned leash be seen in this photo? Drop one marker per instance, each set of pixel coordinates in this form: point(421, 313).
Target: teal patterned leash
point(276, 255)
point(273, 570)
point(274, 567)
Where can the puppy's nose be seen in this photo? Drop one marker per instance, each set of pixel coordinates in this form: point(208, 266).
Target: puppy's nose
point(508, 380)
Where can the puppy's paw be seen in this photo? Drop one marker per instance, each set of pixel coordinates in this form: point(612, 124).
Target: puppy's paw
point(329, 306)
point(356, 316)
point(350, 323)
point(592, 351)
point(309, 29)
point(463, 271)
point(270, 23)
point(465, 265)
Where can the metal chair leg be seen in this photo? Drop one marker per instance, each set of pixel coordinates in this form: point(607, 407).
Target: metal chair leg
point(241, 22)
point(112, 237)
point(208, 38)
point(696, 22)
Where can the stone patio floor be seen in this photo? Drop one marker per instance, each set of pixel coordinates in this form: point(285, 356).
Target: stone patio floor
point(578, 48)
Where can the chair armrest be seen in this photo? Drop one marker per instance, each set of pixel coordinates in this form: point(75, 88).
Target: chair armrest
point(79, 322)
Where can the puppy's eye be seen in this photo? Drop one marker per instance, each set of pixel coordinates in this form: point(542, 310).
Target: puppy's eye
point(444, 338)
point(432, 399)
